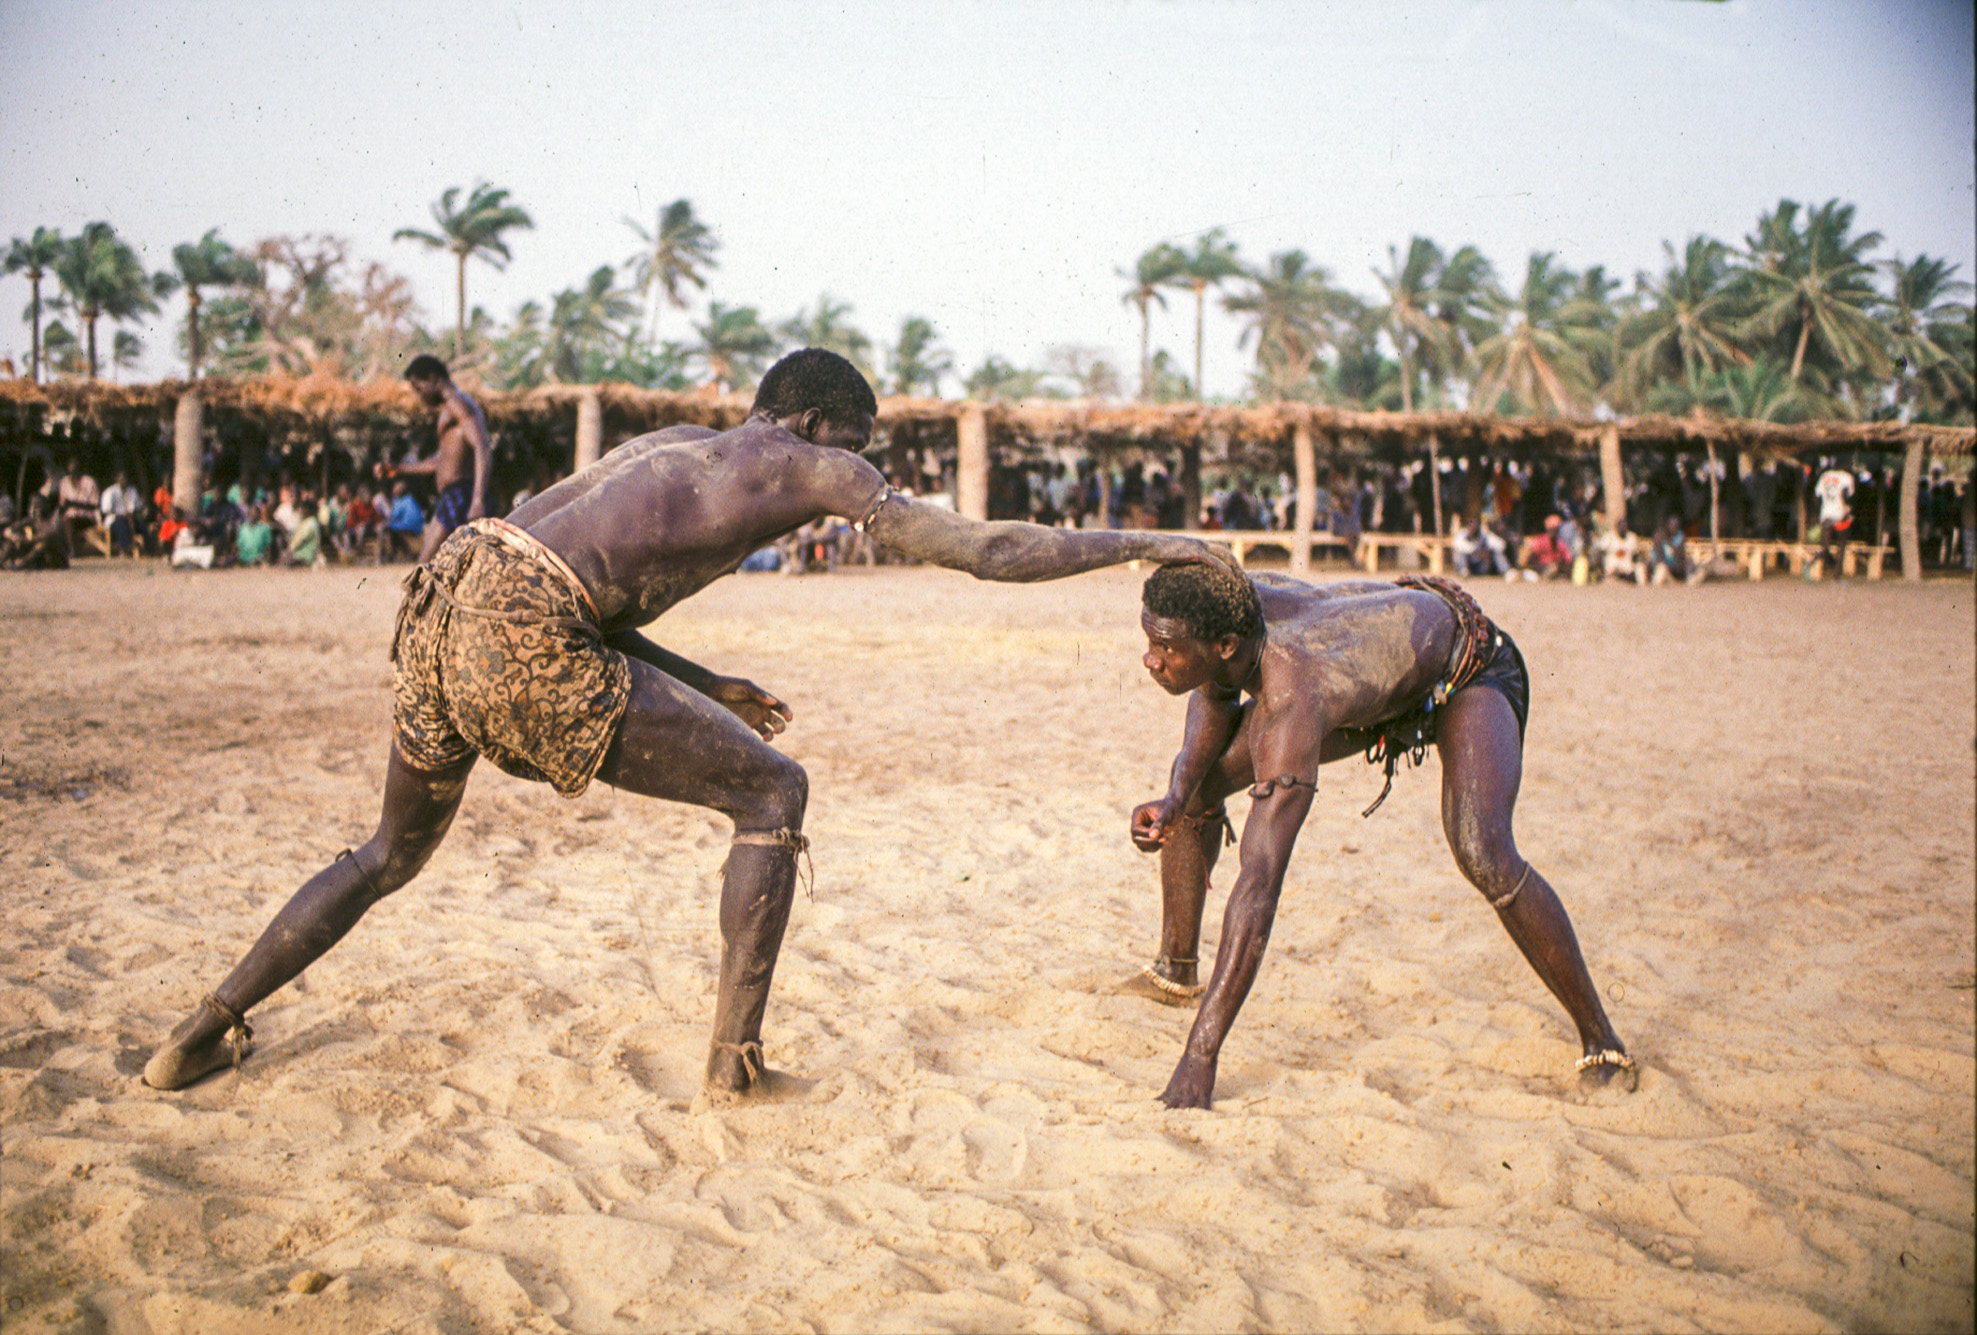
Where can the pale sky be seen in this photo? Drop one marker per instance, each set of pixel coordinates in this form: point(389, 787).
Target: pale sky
point(991, 166)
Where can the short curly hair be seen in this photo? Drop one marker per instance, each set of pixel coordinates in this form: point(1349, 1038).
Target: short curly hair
point(1210, 600)
point(815, 378)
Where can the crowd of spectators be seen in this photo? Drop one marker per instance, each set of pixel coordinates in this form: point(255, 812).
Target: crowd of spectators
point(288, 524)
point(1507, 518)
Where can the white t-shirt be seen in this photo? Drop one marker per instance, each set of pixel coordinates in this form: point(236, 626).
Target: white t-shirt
point(1834, 488)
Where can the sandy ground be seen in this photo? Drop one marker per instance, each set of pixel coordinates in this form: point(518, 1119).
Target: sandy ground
point(475, 1114)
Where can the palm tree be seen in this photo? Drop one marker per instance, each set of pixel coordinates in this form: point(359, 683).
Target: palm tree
point(1408, 319)
point(1927, 332)
point(583, 325)
point(1813, 287)
point(35, 256)
point(1533, 359)
point(675, 252)
point(1437, 310)
point(1292, 307)
point(1212, 262)
point(733, 344)
point(473, 228)
point(1156, 268)
point(103, 276)
point(829, 328)
point(207, 262)
point(996, 380)
point(1687, 326)
point(126, 350)
point(917, 358)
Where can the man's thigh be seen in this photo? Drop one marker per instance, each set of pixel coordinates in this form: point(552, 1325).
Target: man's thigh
point(675, 743)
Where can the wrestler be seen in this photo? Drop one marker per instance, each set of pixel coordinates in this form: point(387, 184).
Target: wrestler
point(1383, 670)
point(460, 466)
point(519, 642)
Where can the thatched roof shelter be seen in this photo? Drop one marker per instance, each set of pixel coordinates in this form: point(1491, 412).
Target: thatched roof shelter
point(281, 405)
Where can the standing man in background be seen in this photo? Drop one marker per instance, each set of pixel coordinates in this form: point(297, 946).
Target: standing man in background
point(461, 476)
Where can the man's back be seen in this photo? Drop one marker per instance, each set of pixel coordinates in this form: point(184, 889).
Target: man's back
point(1357, 652)
point(662, 517)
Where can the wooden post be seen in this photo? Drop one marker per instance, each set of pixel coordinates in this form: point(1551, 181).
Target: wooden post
point(188, 451)
point(971, 463)
point(590, 429)
point(1613, 478)
point(1911, 521)
point(1191, 483)
point(1307, 495)
point(1715, 497)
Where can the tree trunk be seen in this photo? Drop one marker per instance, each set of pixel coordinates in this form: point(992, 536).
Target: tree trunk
point(971, 464)
point(1613, 478)
point(34, 365)
point(1911, 520)
point(90, 319)
point(188, 451)
point(460, 308)
point(590, 429)
point(1146, 355)
point(1200, 297)
point(192, 330)
point(1307, 496)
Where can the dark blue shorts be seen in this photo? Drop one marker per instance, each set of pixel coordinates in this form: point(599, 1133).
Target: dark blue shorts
point(454, 502)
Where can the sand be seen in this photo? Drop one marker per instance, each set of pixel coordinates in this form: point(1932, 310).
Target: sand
point(476, 1114)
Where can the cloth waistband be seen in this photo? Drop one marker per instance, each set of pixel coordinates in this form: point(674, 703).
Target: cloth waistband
point(521, 540)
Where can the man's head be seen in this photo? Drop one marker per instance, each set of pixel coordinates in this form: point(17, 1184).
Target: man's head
point(428, 377)
point(819, 396)
point(1197, 617)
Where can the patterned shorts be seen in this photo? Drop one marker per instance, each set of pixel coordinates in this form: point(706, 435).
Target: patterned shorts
point(532, 687)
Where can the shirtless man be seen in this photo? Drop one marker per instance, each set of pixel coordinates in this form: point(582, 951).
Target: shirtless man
point(463, 446)
point(1372, 668)
point(519, 642)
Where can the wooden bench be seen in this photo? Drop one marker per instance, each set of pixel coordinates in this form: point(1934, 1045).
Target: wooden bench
point(1424, 544)
point(1755, 554)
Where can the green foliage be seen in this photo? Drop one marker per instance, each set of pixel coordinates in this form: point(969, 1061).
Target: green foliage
point(676, 250)
point(917, 360)
point(34, 257)
point(102, 276)
point(466, 230)
point(734, 346)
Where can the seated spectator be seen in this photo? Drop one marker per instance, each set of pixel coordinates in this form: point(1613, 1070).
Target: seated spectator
point(405, 526)
point(1478, 551)
point(1620, 557)
point(188, 547)
point(305, 540)
point(254, 543)
point(119, 511)
point(1545, 556)
point(79, 497)
point(1669, 558)
point(360, 523)
point(39, 542)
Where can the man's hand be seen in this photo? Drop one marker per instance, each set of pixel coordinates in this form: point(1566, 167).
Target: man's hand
point(752, 705)
point(1150, 822)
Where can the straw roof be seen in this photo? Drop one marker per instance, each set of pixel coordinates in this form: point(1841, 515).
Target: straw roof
point(286, 404)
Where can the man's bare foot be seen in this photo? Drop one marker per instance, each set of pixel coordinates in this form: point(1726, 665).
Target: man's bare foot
point(196, 1049)
point(1608, 1069)
point(1152, 985)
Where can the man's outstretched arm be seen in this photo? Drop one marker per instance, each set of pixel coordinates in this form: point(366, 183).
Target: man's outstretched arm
point(1021, 553)
point(1286, 767)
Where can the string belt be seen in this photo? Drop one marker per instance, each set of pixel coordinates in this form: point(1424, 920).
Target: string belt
point(786, 838)
point(240, 1034)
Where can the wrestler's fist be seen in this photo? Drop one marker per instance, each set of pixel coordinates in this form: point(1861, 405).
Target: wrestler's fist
point(1150, 822)
point(752, 705)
